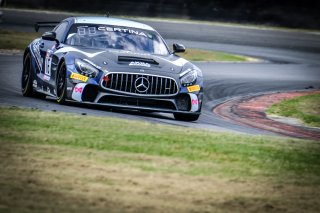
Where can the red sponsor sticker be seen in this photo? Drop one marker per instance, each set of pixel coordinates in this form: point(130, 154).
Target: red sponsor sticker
point(78, 89)
point(194, 102)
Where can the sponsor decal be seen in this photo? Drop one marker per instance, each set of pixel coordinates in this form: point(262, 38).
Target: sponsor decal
point(78, 89)
point(138, 63)
point(69, 88)
point(194, 102)
point(47, 62)
point(79, 77)
point(85, 30)
point(193, 88)
point(121, 30)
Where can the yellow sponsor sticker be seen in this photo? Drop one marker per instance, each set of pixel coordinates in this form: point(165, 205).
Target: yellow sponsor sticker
point(193, 88)
point(79, 77)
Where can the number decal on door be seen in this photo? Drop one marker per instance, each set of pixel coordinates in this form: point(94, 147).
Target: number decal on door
point(47, 63)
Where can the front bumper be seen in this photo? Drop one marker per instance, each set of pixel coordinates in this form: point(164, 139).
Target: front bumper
point(183, 103)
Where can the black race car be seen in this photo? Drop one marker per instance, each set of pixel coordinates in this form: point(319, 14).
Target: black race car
point(112, 62)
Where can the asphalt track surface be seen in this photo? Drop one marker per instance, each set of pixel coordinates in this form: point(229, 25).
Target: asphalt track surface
point(290, 61)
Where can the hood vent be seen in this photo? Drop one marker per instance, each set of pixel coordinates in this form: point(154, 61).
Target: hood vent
point(130, 58)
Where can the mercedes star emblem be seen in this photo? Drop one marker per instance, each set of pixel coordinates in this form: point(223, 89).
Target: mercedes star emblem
point(142, 84)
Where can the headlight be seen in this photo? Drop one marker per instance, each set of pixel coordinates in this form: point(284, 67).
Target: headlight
point(188, 77)
point(86, 69)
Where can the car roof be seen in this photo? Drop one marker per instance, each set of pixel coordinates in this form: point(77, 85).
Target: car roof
point(111, 21)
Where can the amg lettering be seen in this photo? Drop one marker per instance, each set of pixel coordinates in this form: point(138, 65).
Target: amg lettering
point(138, 63)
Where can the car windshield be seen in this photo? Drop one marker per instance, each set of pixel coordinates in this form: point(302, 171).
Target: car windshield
point(116, 37)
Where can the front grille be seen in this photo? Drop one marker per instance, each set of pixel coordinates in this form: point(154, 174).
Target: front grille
point(131, 83)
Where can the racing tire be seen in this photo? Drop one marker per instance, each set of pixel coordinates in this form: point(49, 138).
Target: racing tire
point(27, 78)
point(61, 84)
point(186, 117)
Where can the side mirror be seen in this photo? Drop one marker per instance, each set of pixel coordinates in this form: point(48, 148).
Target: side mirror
point(50, 36)
point(178, 48)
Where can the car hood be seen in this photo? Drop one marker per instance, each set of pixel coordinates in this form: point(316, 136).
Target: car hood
point(118, 60)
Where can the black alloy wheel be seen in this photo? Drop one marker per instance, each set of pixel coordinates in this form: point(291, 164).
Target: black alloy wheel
point(26, 78)
point(61, 84)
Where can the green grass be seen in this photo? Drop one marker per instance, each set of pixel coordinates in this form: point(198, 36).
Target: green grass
point(206, 55)
point(306, 108)
point(207, 152)
point(16, 40)
point(57, 162)
point(20, 40)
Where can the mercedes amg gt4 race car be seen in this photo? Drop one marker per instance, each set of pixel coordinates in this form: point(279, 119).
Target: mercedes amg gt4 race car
point(112, 62)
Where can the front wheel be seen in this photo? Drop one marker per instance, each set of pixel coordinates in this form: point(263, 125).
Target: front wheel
point(26, 78)
point(186, 117)
point(61, 84)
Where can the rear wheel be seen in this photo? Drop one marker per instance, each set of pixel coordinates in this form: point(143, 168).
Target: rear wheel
point(186, 117)
point(61, 84)
point(26, 78)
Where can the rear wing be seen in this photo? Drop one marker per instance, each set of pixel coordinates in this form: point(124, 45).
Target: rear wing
point(45, 25)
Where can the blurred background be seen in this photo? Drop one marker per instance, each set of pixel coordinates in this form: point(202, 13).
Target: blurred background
point(293, 14)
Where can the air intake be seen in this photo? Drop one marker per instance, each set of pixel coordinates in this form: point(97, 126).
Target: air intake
point(130, 58)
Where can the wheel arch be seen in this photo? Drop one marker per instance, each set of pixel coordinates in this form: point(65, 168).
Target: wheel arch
point(26, 51)
point(27, 89)
point(61, 61)
point(61, 100)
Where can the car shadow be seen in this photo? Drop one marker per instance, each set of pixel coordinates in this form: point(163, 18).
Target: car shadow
point(114, 110)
